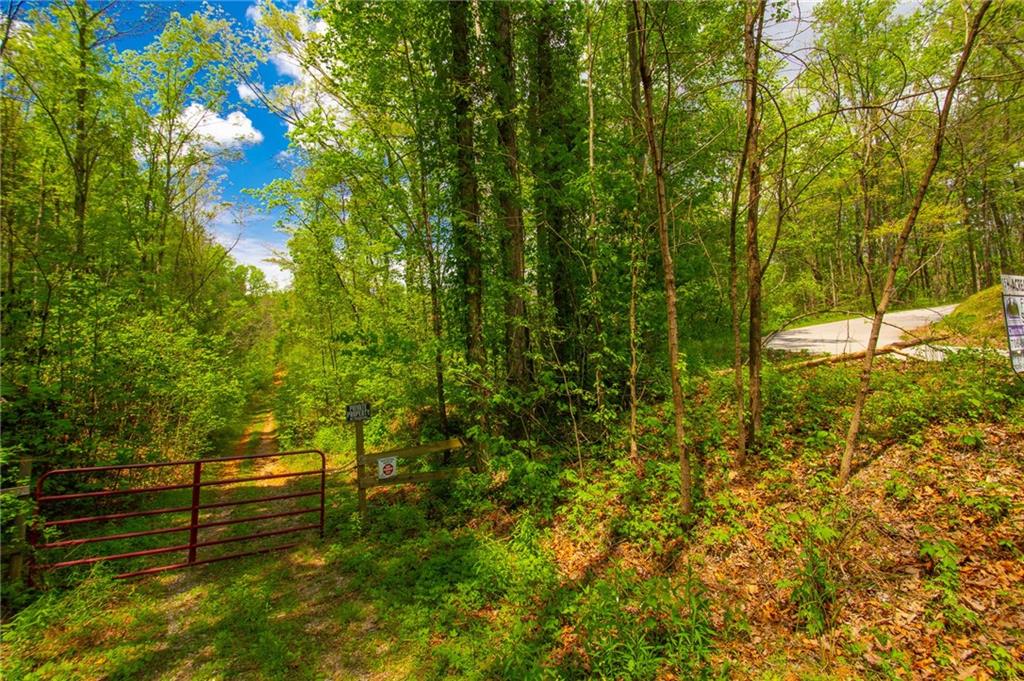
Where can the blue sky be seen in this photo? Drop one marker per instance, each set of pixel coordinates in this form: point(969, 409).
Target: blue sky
point(255, 238)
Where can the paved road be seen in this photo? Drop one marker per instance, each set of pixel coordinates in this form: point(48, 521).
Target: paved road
point(851, 335)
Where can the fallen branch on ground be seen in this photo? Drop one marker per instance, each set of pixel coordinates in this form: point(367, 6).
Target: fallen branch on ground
point(850, 356)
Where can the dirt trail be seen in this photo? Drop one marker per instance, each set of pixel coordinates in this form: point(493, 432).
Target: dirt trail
point(260, 435)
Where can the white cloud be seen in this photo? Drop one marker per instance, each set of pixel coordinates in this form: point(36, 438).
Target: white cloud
point(286, 157)
point(254, 13)
point(231, 132)
point(246, 92)
point(287, 65)
point(257, 253)
point(228, 225)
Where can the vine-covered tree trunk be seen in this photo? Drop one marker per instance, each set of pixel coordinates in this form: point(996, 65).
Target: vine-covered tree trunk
point(466, 222)
point(80, 164)
point(508, 194)
point(635, 240)
point(553, 132)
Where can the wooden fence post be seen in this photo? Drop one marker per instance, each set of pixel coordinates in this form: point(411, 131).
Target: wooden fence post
point(360, 470)
point(18, 558)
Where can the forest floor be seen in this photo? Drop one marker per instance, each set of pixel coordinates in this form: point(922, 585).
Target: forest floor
point(546, 571)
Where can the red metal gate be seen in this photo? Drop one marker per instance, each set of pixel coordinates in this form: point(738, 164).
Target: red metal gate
point(194, 509)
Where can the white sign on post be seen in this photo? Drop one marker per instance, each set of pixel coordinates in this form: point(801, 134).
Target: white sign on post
point(387, 467)
point(1013, 313)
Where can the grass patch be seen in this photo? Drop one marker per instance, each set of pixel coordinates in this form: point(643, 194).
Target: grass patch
point(978, 321)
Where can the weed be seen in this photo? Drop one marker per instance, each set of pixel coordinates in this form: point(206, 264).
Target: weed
point(692, 637)
point(898, 487)
point(944, 562)
point(531, 483)
point(970, 439)
point(991, 503)
point(652, 517)
point(632, 627)
point(1004, 665)
point(822, 440)
point(814, 591)
point(621, 641)
point(725, 510)
point(778, 536)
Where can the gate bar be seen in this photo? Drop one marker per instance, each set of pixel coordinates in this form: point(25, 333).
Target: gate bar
point(180, 547)
point(176, 509)
point(164, 464)
point(167, 488)
point(204, 561)
point(170, 530)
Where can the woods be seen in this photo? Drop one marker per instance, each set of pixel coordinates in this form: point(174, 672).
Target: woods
point(563, 231)
point(129, 333)
point(734, 187)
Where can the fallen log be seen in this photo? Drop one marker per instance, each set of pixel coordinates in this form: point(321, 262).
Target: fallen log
point(850, 356)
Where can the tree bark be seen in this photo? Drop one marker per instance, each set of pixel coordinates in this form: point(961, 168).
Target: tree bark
point(553, 139)
point(508, 194)
point(685, 482)
point(80, 169)
point(734, 300)
point(860, 354)
point(901, 244)
point(466, 225)
point(595, 301)
point(752, 55)
point(636, 237)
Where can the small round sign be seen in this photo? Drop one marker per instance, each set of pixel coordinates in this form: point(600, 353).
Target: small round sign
point(386, 468)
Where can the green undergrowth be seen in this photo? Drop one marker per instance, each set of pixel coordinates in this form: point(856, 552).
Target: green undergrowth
point(573, 564)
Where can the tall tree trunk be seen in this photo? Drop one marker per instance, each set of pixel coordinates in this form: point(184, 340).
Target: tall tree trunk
point(636, 235)
point(553, 136)
point(466, 225)
point(685, 482)
point(423, 231)
point(908, 226)
point(864, 252)
point(986, 240)
point(752, 51)
point(508, 193)
point(1002, 233)
point(634, 366)
point(7, 164)
point(595, 301)
point(80, 163)
point(435, 324)
point(734, 299)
